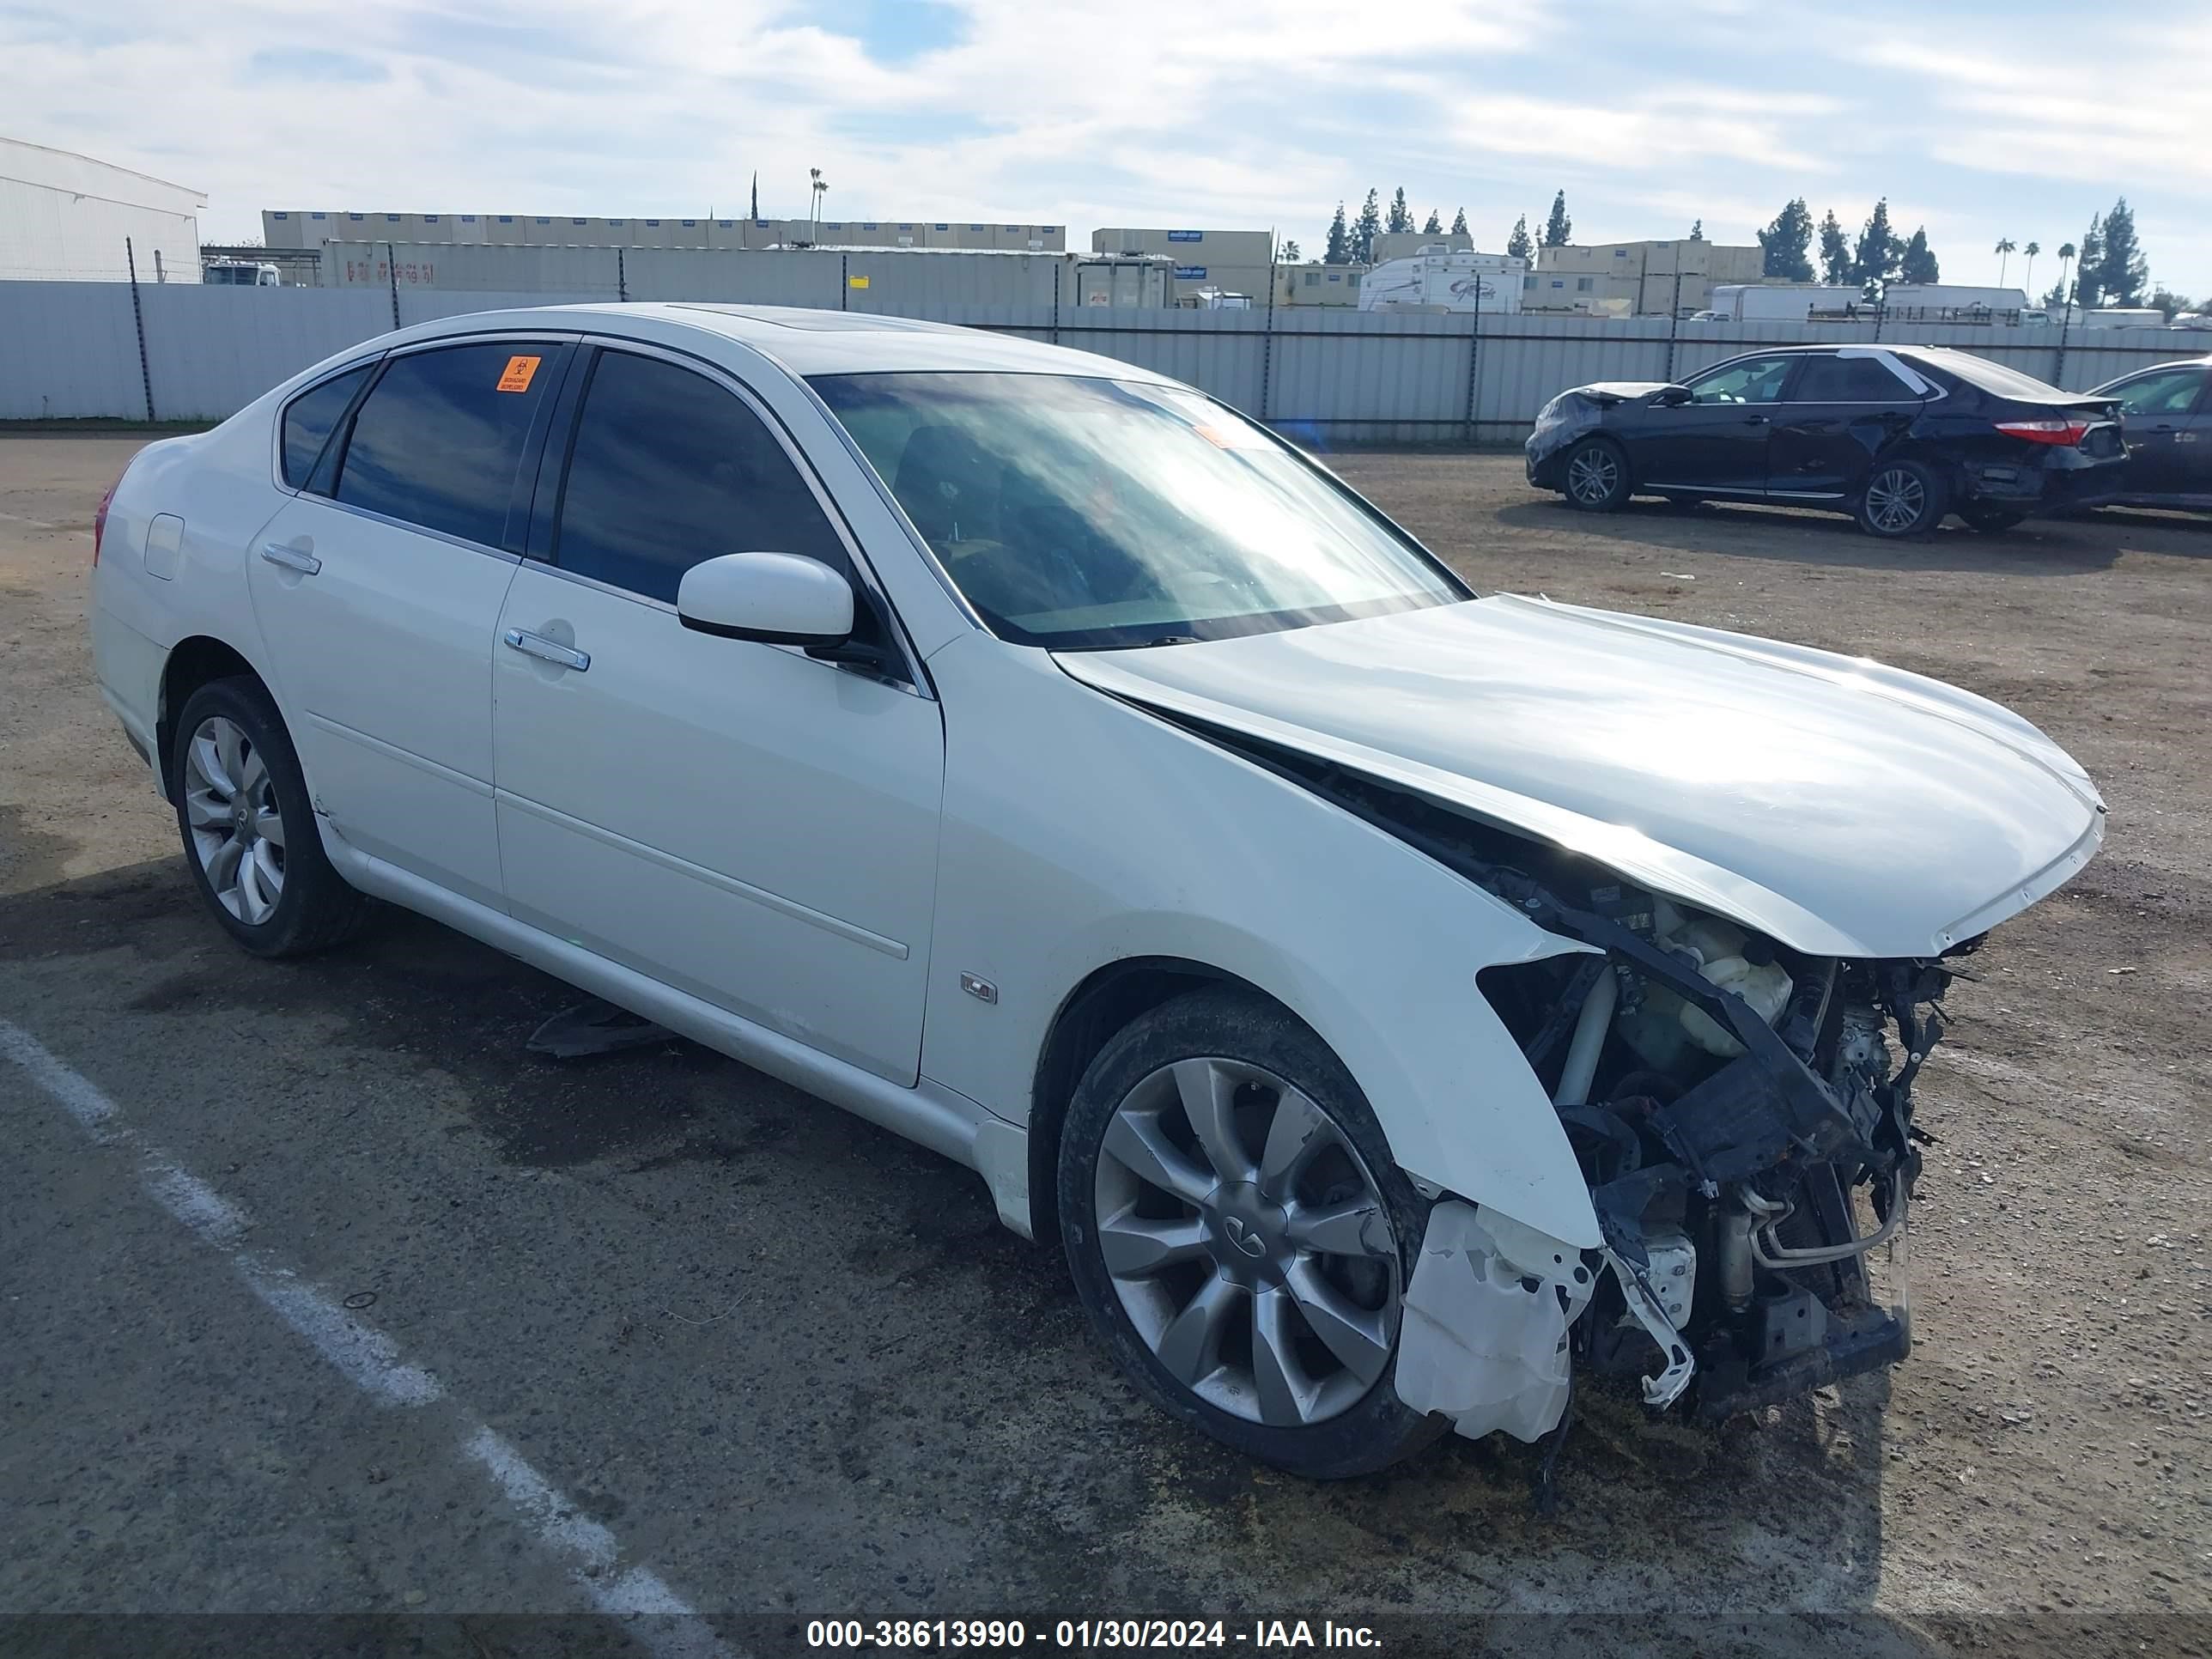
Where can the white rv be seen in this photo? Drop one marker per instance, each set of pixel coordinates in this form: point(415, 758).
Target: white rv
point(1436, 277)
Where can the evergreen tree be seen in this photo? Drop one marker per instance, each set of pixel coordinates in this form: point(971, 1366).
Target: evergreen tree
point(1782, 244)
point(1696, 230)
point(2086, 291)
point(2123, 273)
point(1338, 249)
point(1875, 257)
point(1835, 251)
point(1916, 264)
point(1459, 222)
point(1366, 228)
point(1435, 225)
point(1401, 216)
point(1518, 245)
point(1559, 227)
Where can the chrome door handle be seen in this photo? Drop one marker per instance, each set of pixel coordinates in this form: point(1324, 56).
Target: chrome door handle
point(545, 650)
point(291, 558)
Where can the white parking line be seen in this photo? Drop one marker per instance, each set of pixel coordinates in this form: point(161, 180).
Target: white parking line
point(370, 1360)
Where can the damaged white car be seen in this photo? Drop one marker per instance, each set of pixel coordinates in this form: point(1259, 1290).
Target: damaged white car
point(1395, 999)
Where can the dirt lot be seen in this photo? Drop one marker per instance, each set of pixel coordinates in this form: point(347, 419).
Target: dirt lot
point(795, 1367)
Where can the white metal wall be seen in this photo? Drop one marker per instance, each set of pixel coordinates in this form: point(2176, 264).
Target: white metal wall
point(57, 236)
point(71, 349)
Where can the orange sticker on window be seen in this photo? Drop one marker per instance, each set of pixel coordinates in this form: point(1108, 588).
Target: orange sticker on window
point(518, 373)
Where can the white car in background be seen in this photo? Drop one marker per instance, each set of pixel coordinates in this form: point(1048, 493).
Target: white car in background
point(1390, 998)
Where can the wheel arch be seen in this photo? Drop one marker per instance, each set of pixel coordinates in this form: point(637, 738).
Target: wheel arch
point(194, 662)
point(1101, 1006)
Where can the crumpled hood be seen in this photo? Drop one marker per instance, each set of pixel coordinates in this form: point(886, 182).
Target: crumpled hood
point(1618, 391)
point(1838, 807)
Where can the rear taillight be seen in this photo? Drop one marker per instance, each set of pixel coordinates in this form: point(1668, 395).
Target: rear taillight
point(2064, 433)
point(99, 521)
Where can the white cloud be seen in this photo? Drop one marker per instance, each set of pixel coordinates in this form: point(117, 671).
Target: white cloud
point(1095, 111)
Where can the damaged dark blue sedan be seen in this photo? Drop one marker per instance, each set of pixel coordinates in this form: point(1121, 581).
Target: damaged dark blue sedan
point(1897, 436)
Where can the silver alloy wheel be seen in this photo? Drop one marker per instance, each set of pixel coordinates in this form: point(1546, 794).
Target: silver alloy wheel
point(1269, 1284)
point(1895, 499)
point(1593, 474)
point(237, 831)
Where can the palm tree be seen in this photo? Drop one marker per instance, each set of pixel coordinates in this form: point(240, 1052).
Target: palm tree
point(2027, 280)
point(2066, 251)
point(2003, 249)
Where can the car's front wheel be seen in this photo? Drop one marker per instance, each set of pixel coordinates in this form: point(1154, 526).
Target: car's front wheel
point(249, 828)
point(1239, 1236)
point(1597, 476)
point(1901, 498)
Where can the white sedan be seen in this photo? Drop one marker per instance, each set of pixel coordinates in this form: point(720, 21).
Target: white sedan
point(1393, 1000)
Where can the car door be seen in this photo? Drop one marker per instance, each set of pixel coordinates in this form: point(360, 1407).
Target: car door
point(1840, 412)
point(2168, 430)
point(377, 589)
point(745, 822)
point(1718, 440)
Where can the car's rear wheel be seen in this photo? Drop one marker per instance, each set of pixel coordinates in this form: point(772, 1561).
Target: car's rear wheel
point(1595, 476)
point(249, 828)
point(1990, 520)
point(1901, 499)
point(1239, 1236)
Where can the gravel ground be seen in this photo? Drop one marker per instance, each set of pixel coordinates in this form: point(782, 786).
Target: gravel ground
point(793, 1367)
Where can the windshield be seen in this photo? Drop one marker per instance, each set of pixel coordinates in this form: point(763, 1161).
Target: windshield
point(1088, 514)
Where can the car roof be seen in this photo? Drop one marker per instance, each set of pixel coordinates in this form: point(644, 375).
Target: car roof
point(808, 342)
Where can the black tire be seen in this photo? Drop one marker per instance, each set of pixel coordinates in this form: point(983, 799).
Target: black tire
point(1243, 1028)
point(1594, 477)
point(314, 909)
point(1990, 520)
point(1902, 499)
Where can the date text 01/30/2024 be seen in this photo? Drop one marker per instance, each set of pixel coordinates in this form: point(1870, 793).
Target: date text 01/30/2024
point(1084, 1634)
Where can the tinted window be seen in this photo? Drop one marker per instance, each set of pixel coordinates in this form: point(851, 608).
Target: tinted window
point(439, 440)
point(1747, 381)
point(2171, 393)
point(308, 420)
point(1847, 381)
point(669, 469)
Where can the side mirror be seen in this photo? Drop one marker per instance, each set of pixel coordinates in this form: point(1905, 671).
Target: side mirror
point(1670, 397)
point(777, 598)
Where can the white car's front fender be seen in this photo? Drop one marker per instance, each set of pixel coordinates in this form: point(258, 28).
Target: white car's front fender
point(1080, 831)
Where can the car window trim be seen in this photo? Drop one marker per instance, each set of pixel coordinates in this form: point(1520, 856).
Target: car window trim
point(531, 440)
point(863, 574)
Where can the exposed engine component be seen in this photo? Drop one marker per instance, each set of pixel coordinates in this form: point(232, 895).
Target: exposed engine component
point(1665, 1026)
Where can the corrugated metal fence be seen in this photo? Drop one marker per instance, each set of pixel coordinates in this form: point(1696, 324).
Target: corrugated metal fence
point(195, 352)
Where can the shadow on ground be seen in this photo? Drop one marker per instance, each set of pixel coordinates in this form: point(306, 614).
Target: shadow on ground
point(1107, 1505)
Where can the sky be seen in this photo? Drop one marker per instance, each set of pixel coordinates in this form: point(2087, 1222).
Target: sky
point(1980, 121)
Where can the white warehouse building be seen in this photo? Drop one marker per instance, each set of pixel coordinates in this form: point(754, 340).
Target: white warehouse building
point(66, 218)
